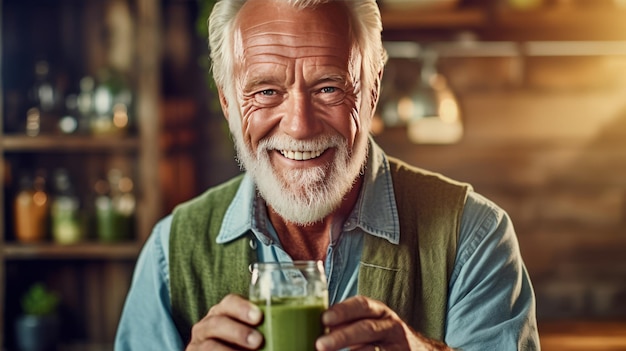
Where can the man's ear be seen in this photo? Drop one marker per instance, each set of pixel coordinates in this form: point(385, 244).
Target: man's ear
point(376, 89)
point(223, 102)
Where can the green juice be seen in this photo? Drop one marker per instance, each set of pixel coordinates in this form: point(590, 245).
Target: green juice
point(291, 326)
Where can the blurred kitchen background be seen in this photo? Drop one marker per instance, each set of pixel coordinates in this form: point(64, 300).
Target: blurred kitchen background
point(108, 120)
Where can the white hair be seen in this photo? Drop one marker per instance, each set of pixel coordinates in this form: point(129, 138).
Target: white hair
point(365, 27)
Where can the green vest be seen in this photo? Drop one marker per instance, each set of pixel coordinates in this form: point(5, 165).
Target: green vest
point(411, 278)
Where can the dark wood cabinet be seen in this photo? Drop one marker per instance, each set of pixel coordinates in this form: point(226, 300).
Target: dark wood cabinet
point(78, 39)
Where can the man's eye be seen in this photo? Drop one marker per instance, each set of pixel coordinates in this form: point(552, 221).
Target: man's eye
point(267, 97)
point(330, 95)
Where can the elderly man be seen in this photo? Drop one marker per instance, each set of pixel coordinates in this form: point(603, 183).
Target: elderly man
point(415, 261)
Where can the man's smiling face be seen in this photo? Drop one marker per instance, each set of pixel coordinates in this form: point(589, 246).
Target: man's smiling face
point(297, 78)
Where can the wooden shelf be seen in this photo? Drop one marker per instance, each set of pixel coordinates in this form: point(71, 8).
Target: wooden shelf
point(85, 347)
point(415, 19)
point(550, 23)
point(69, 143)
point(562, 23)
point(582, 335)
point(15, 251)
point(561, 17)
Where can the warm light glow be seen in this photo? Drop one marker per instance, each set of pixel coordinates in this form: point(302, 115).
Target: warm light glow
point(33, 118)
point(448, 110)
point(120, 116)
point(40, 198)
point(102, 100)
point(406, 108)
point(125, 185)
point(378, 125)
point(434, 131)
point(438, 82)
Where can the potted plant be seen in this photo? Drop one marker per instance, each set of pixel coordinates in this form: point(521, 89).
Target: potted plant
point(37, 329)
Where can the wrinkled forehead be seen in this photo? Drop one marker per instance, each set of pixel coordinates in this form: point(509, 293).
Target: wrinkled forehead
point(268, 22)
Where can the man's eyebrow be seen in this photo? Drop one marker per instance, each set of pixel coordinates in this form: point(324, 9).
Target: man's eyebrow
point(259, 80)
point(332, 78)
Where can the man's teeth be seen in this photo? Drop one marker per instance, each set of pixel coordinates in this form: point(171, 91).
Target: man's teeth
point(301, 155)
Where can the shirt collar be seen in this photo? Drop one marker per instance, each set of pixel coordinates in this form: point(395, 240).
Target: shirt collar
point(375, 211)
point(238, 218)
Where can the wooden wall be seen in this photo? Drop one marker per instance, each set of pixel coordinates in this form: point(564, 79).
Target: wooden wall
point(546, 139)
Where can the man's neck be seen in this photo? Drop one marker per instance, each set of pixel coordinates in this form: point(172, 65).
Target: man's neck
point(311, 242)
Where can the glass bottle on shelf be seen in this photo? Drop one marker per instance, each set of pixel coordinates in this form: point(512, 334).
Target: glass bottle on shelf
point(85, 103)
point(42, 101)
point(31, 206)
point(106, 226)
point(112, 99)
point(68, 123)
point(124, 204)
point(33, 121)
point(65, 210)
point(102, 119)
point(117, 214)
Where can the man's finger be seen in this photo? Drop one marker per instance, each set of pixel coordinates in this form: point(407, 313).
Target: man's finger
point(223, 328)
point(353, 309)
point(362, 332)
point(238, 308)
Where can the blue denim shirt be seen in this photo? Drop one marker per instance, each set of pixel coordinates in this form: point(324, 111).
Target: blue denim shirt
point(491, 304)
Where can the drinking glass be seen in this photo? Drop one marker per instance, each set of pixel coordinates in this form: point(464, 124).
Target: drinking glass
point(293, 297)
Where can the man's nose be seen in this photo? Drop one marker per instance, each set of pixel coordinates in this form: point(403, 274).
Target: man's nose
point(300, 120)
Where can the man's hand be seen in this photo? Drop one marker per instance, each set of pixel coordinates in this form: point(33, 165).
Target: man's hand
point(361, 323)
point(229, 325)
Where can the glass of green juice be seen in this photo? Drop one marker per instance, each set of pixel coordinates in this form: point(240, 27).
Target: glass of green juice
point(292, 297)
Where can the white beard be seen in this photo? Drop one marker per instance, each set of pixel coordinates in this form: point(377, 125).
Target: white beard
point(302, 196)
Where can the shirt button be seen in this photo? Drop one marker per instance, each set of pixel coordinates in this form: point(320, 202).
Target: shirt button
point(253, 244)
